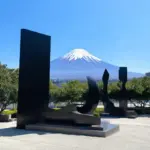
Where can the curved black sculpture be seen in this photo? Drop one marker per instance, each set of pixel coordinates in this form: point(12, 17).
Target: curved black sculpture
point(73, 115)
point(93, 97)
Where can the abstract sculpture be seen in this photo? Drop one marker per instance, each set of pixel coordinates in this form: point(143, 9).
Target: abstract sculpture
point(77, 115)
point(123, 96)
point(33, 93)
point(123, 91)
point(92, 97)
point(108, 105)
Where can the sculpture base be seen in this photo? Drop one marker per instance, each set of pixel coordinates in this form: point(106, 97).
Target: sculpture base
point(70, 115)
point(98, 131)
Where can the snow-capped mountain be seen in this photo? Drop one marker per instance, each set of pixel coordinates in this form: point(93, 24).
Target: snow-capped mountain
point(79, 63)
point(80, 54)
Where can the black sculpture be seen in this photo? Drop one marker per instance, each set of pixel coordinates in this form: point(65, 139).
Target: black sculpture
point(77, 115)
point(92, 97)
point(108, 105)
point(105, 79)
point(123, 91)
point(123, 95)
point(33, 94)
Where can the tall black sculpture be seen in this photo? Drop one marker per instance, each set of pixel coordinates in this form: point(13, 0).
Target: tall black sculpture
point(33, 94)
point(105, 79)
point(123, 90)
point(108, 104)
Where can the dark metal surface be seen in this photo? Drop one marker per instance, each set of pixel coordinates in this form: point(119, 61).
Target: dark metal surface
point(92, 98)
point(33, 94)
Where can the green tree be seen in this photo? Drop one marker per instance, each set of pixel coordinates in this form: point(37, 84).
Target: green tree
point(139, 91)
point(100, 84)
point(54, 92)
point(72, 91)
point(14, 74)
point(8, 91)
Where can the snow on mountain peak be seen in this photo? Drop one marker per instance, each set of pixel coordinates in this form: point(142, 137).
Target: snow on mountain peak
point(80, 54)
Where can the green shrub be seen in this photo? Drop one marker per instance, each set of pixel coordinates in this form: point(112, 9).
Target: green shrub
point(9, 112)
point(98, 111)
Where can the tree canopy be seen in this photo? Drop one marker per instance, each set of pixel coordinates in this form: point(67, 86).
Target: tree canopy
point(8, 86)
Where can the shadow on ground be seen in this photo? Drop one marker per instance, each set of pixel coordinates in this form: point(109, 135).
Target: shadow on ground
point(12, 131)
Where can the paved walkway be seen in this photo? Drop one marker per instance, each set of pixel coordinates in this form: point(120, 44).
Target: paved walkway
point(134, 135)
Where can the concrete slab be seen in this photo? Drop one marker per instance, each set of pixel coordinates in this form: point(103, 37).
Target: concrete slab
point(107, 129)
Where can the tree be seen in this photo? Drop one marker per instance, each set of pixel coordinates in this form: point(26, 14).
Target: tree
point(8, 91)
point(14, 74)
point(113, 90)
point(54, 92)
point(139, 91)
point(100, 84)
point(71, 92)
point(7, 96)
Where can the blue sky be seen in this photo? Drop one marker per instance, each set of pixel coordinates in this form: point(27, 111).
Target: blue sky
point(116, 31)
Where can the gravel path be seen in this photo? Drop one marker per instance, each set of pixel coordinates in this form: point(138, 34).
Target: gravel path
point(134, 134)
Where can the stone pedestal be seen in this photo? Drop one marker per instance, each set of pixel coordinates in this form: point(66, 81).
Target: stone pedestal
point(97, 131)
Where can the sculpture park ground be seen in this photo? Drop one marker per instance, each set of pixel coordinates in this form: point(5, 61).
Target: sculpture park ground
point(133, 135)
